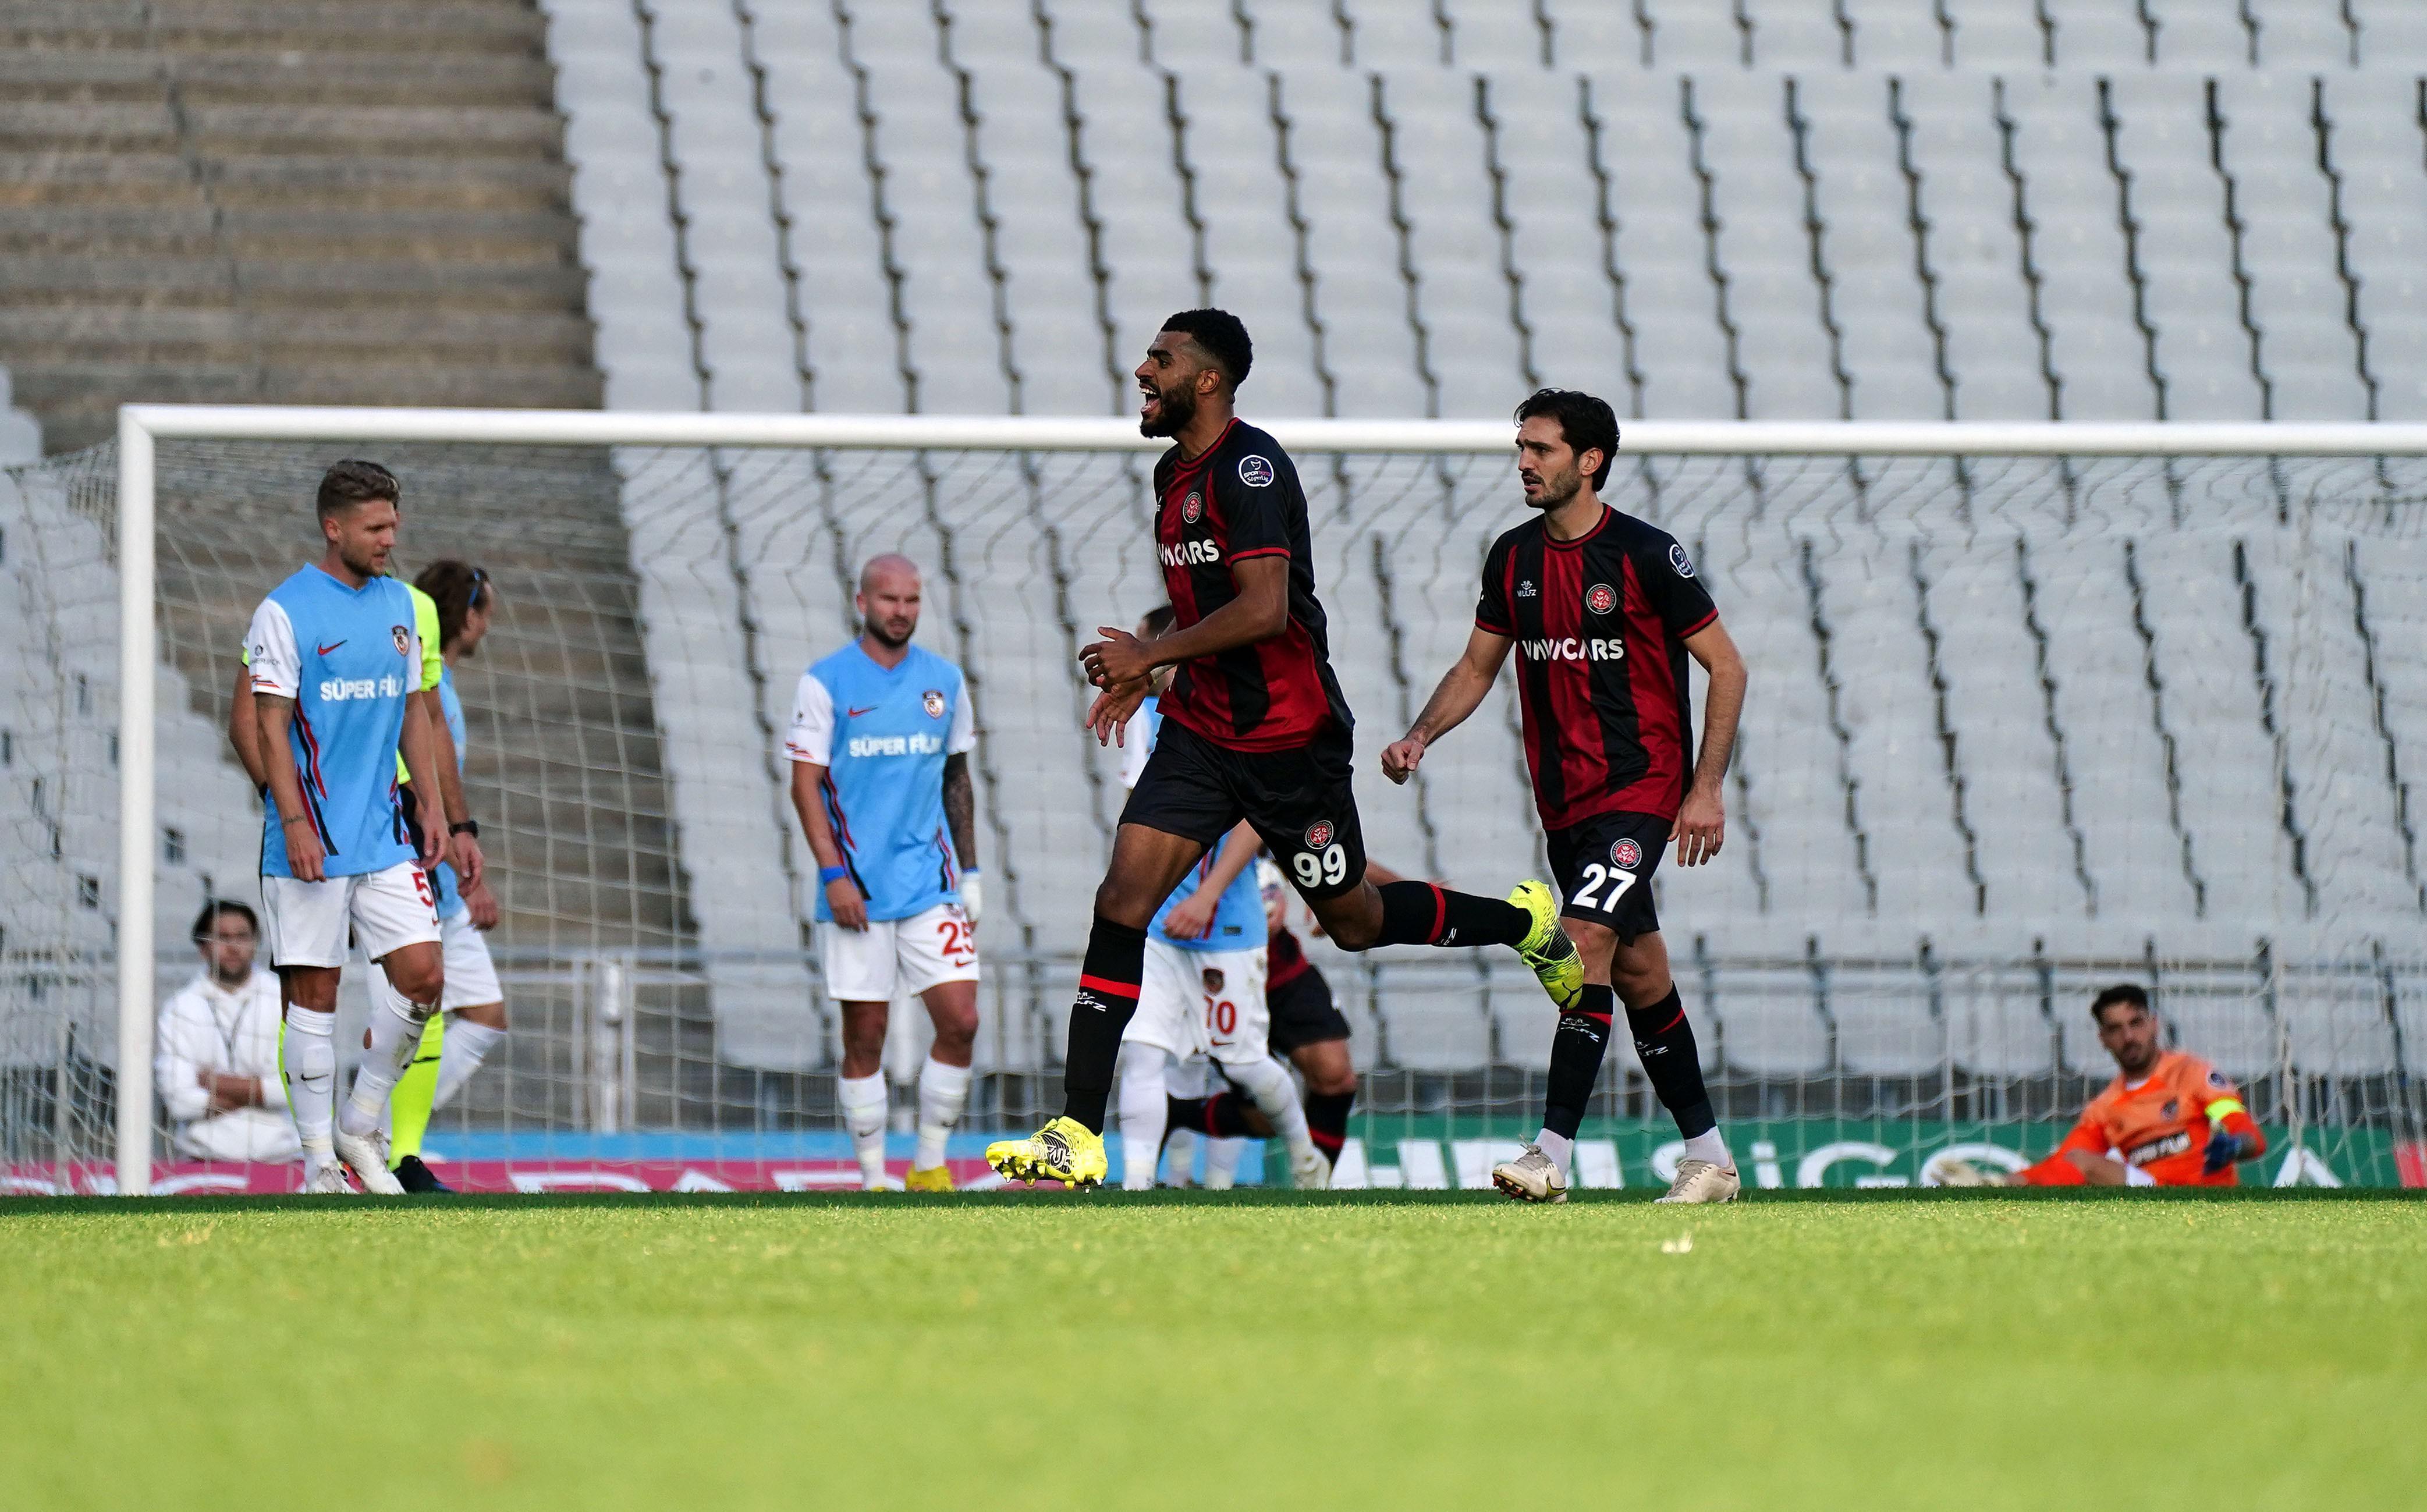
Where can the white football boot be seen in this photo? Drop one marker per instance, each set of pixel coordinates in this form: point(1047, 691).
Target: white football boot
point(1532, 1176)
point(1701, 1181)
point(365, 1155)
point(328, 1182)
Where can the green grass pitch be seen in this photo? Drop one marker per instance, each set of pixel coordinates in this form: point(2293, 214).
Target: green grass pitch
point(1168, 1352)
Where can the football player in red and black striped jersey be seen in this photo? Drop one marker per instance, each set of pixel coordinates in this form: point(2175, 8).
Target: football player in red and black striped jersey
point(1604, 612)
point(1253, 727)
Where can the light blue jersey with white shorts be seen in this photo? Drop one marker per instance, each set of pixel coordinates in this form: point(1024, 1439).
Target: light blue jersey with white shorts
point(883, 735)
point(349, 659)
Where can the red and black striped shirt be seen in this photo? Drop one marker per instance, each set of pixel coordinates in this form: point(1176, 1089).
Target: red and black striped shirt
point(1237, 500)
point(1600, 623)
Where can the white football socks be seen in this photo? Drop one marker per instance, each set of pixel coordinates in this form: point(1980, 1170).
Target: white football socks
point(1145, 1110)
point(1267, 1082)
point(311, 1063)
point(461, 1052)
point(1222, 1164)
point(863, 1115)
point(395, 1033)
point(1709, 1146)
point(943, 1090)
point(1559, 1148)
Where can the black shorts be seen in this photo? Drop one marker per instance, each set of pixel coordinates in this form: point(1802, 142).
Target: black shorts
point(1603, 868)
point(1299, 800)
point(1303, 1013)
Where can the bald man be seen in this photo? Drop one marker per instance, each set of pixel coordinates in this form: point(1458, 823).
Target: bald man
point(879, 745)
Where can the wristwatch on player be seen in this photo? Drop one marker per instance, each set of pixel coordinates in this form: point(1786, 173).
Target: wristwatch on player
point(470, 826)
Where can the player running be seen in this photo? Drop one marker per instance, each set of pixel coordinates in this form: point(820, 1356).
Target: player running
point(1203, 990)
point(2169, 1118)
point(879, 745)
point(335, 661)
point(1604, 610)
point(472, 1017)
point(1254, 728)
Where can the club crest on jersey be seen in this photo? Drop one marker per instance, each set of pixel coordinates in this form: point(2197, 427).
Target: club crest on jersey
point(1678, 560)
point(1601, 598)
point(933, 702)
point(1213, 979)
point(1193, 507)
point(1318, 834)
point(403, 639)
point(1255, 472)
point(1626, 856)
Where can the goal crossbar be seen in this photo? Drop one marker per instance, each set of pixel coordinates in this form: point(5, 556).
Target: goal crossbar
point(141, 425)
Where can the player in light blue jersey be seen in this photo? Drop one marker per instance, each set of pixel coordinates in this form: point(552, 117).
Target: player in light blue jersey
point(336, 662)
point(1203, 995)
point(879, 744)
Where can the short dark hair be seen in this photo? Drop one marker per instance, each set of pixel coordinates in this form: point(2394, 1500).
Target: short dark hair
point(1586, 423)
point(206, 923)
point(356, 483)
point(457, 588)
point(1222, 336)
point(2129, 992)
point(1158, 621)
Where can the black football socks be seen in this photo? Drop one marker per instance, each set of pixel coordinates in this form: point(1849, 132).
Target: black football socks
point(1576, 1049)
point(1664, 1041)
point(1108, 994)
point(1418, 912)
point(1327, 1121)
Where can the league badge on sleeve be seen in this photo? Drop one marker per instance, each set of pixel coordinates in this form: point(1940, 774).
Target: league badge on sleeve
point(1678, 560)
point(1256, 472)
point(933, 702)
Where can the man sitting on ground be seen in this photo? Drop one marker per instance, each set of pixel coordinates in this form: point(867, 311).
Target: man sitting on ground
point(2168, 1119)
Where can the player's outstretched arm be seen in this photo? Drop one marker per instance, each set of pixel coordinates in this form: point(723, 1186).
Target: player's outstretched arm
point(304, 857)
point(850, 908)
point(1460, 692)
point(1701, 820)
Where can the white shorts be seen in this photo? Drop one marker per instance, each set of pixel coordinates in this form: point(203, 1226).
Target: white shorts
point(305, 923)
point(898, 957)
point(1203, 1002)
point(471, 976)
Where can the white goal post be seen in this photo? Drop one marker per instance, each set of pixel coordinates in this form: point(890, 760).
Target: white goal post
point(141, 426)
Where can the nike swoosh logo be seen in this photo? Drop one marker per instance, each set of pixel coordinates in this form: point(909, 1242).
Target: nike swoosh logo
point(848, 713)
point(330, 647)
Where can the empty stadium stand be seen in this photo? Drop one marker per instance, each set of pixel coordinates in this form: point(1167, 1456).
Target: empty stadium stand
point(2085, 209)
point(243, 201)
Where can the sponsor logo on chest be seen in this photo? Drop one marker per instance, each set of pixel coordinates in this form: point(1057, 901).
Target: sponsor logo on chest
point(2158, 1149)
point(1574, 649)
point(345, 690)
point(1190, 554)
point(895, 745)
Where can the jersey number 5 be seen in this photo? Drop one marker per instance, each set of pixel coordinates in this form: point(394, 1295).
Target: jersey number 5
point(1315, 869)
point(1598, 877)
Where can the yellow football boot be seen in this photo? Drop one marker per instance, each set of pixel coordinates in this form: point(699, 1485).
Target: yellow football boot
point(933, 1178)
point(1063, 1150)
point(1547, 947)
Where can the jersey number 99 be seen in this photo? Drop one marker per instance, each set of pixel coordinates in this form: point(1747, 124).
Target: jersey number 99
point(1316, 868)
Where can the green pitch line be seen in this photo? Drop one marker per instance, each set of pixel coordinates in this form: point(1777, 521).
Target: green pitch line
point(1174, 1352)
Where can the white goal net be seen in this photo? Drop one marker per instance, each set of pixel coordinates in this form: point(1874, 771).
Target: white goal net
point(2031, 713)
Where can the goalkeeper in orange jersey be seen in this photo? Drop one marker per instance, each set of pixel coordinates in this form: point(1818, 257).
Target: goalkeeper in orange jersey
point(2168, 1119)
